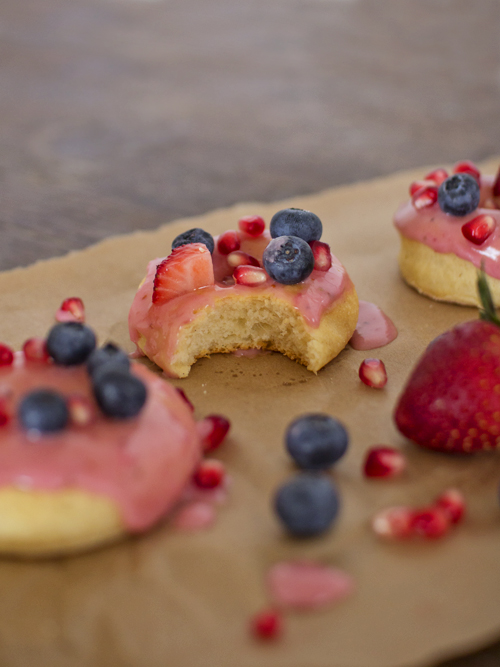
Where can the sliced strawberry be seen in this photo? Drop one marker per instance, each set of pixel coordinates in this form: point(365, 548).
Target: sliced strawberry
point(186, 269)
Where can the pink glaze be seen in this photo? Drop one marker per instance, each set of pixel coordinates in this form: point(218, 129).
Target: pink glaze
point(307, 585)
point(443, 232)
point(159, 324)
point(374, 329)
point(143, 464)
point(195, 515)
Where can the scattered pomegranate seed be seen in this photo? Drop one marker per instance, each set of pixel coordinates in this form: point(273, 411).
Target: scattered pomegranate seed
point(267, 624)
point(35, 349)
point(425, 197)
point(438, 176)
point(238, 258)
point(209, 474)
point(213, 429)
point(182, 394)
point(253, 225)
point(467, 167)
point(452, 502)
point(71, 310)
point(81, 410)
point(393, 523)
point(251, 276)
point(496, 185)
point(479, 229)
point(372, 372)
point(430, 522)
point(415, 186)
point(228, 242)
point(384, 462)
point(6, 355)
point(322, 255)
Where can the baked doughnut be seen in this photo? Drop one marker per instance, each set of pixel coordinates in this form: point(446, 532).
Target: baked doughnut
point(192, 304)
point(448, 230)
point(89, 451)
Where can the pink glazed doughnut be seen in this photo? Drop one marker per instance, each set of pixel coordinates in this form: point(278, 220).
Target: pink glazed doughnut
point(231, 303)
point(89, 483)
point(440, 252)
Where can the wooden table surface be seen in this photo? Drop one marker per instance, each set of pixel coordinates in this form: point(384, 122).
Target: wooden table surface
point(118, 115)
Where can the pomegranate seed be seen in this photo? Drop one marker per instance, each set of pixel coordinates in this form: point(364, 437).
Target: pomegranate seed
point(430, 522)
point(213, 429)
point(384, 462)
point(496, 185)
point(71, 310)
point(251, 276)
point(4, 416)
point(479, 229)
point(418, 185)
point(438, 176)
point(182, 394)
point(228, 242)
point(35, 349)
point(393, 523)
point(425, 197)
point(452, 502)
point(6, 355)
point(238, 258)
point(372, 372)
point(253, 225)
point(467, 167)
point(322, 255)
point(267, 624)
point(81, 410)
point(209, 474)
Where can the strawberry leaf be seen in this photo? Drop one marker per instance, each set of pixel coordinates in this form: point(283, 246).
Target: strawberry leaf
point(488, 312)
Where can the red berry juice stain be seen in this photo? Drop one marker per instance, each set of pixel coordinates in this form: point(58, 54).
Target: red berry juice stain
point(374, 329)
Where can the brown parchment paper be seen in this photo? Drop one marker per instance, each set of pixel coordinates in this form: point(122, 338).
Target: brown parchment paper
point(183, 600)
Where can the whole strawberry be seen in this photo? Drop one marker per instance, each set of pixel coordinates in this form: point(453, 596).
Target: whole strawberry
point(451, 401)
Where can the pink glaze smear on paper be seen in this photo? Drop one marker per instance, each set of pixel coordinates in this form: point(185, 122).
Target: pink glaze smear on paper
point(307, 585)
point(374, 329)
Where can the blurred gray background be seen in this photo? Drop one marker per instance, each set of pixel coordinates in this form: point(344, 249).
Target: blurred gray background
point(125, 114)
point(117, 115)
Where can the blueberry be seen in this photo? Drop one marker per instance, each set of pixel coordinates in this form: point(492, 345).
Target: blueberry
point(459, 195)
point(307, 504)
point(316, 441)
point(195, 235)
point(288, 260)
point(70, 343)
point(296, 222)
point(43, 411)
point(108, 354)
point(118, 393)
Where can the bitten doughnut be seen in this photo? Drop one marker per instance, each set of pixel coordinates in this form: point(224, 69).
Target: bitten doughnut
point(448, 230)
point(91, 446)
point(280, 291)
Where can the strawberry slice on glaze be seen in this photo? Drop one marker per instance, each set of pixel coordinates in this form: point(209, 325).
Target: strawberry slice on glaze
point(186, 269)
